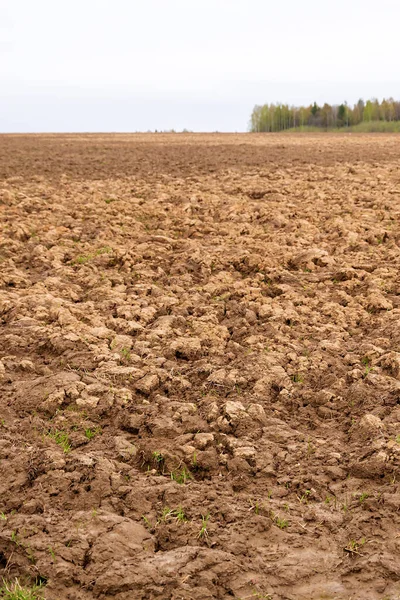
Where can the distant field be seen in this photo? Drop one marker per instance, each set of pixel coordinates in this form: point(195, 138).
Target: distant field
point(200, 365)
point(365, 127)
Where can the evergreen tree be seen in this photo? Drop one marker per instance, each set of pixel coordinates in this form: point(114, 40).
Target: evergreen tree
point(314, 109)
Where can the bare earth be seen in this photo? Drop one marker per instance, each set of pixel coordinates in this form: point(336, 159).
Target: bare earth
point(200, 366)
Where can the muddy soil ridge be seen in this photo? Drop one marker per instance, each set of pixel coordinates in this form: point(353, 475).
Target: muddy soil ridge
point(200, 366)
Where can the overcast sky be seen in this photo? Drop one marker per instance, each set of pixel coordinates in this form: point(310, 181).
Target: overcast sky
point(135, 65)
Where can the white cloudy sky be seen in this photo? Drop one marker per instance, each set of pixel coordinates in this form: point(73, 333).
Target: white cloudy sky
point(127, 65)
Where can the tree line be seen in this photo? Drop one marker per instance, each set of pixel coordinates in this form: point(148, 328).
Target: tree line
point(278, 117)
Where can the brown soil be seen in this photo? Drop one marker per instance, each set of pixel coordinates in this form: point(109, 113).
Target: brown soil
point(200, 366)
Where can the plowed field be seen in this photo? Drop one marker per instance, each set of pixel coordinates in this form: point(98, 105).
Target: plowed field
point(200, 366)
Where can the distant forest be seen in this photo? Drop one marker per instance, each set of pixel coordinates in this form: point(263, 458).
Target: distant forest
point(363, 116)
